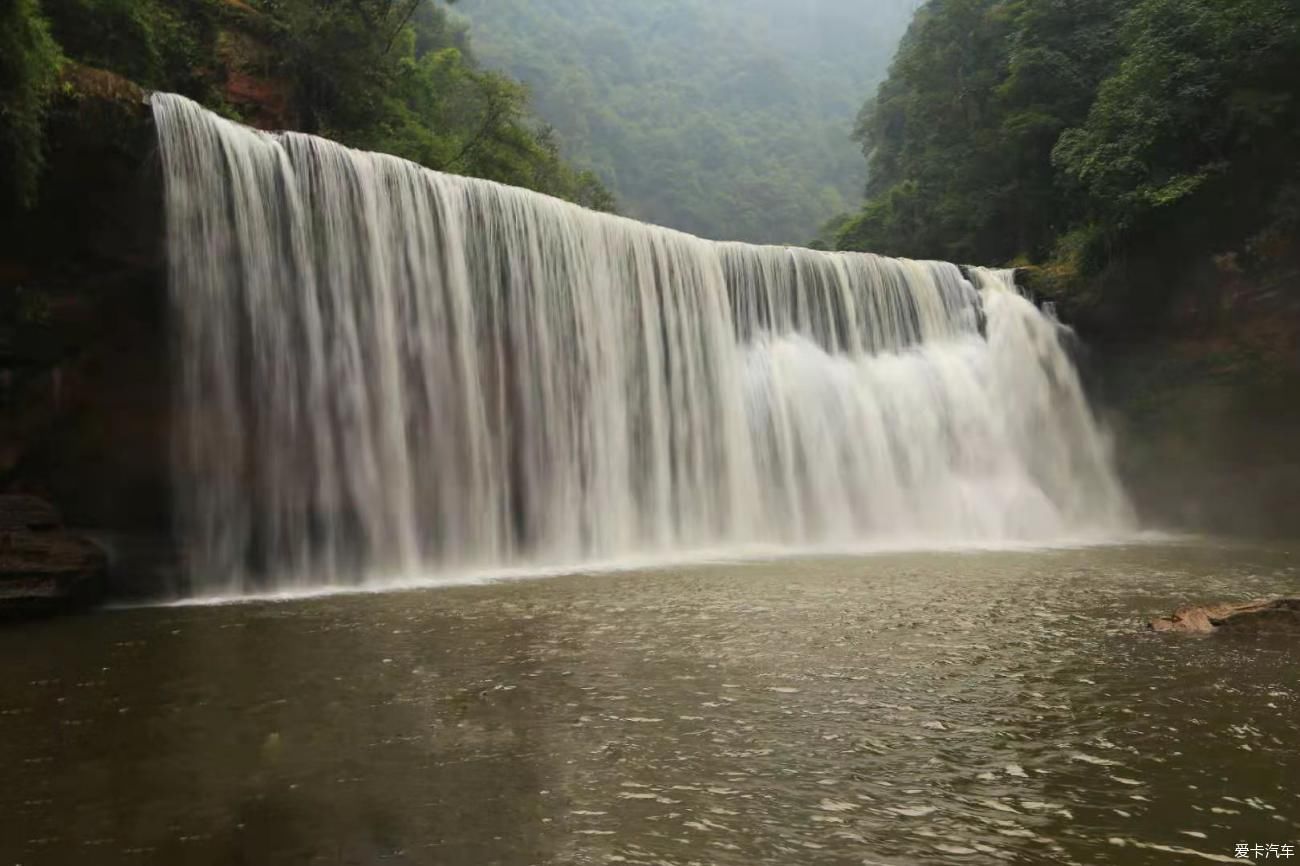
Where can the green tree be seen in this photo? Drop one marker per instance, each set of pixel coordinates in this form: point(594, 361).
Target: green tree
point(388, 75)
point(397, 76)
point(156, 43)
point(1104, 140)
point(1199, 123)
point(938, 175)
point(29, 65)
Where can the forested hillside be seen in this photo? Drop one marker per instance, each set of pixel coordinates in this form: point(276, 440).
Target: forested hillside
point(1137, 150)
point(387, 75)
point(727, 118)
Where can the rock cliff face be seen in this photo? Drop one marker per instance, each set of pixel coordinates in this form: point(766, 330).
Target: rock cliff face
point(84, 352)
point(43, 567)
point(249, 84)
point(1205, 410)
point(1201, 387)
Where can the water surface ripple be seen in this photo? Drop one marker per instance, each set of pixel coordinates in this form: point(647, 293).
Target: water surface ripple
point(895, 709)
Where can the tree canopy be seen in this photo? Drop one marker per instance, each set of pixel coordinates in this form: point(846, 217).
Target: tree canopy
point(1085, 135)
point(29, 65)
point(388, 75)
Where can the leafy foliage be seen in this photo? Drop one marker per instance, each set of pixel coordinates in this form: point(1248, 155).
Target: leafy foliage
point(1204, 97)
point(29, 64)
point(156, 43)
point(726, 118)
point(387, 75)
point(397, 76)
point(963, 129)
point(1085, 135)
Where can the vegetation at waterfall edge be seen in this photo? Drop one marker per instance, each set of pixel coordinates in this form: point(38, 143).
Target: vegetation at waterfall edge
point(1136, 153)
point(396, 76)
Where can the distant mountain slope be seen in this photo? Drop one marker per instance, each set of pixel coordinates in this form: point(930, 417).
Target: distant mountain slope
point(726, 118)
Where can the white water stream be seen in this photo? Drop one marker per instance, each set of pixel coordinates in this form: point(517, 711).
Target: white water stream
point(384, 370)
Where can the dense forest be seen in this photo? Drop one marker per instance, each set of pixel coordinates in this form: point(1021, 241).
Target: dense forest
point(1129, 148)
point(726, 118)
point(387, 75)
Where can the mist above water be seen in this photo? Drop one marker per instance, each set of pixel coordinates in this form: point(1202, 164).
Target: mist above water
point(388, 370)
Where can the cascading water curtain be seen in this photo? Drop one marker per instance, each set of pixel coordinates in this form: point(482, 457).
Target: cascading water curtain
point(385, 370)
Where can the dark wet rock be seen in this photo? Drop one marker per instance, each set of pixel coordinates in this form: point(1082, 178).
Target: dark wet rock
point(84, 390)
point(248, 51)
point(27, 513)
point(43, 567)
point(1262, 615)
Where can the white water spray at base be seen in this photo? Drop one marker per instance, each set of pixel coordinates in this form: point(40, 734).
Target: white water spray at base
point(387, 370)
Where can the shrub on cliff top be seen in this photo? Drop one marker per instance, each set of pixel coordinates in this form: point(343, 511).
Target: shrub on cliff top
point(29, 66)
point(161, 44)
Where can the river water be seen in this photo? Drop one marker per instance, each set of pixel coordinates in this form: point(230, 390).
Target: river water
point(977, 707)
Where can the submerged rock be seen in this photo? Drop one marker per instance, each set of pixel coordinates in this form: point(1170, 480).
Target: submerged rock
point(43, 567)
point(1265, 614)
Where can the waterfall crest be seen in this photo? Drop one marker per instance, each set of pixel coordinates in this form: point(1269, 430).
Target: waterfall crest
point(383, 370)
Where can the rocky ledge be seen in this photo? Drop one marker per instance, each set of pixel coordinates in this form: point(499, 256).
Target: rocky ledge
point(43, 567)
point(1262, 615)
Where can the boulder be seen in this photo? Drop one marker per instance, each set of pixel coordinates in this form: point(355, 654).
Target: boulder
point(27, 513)
point(43, 567)
point(1265, 614)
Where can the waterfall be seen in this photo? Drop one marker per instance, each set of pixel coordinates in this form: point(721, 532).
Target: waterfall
point(383, 370)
